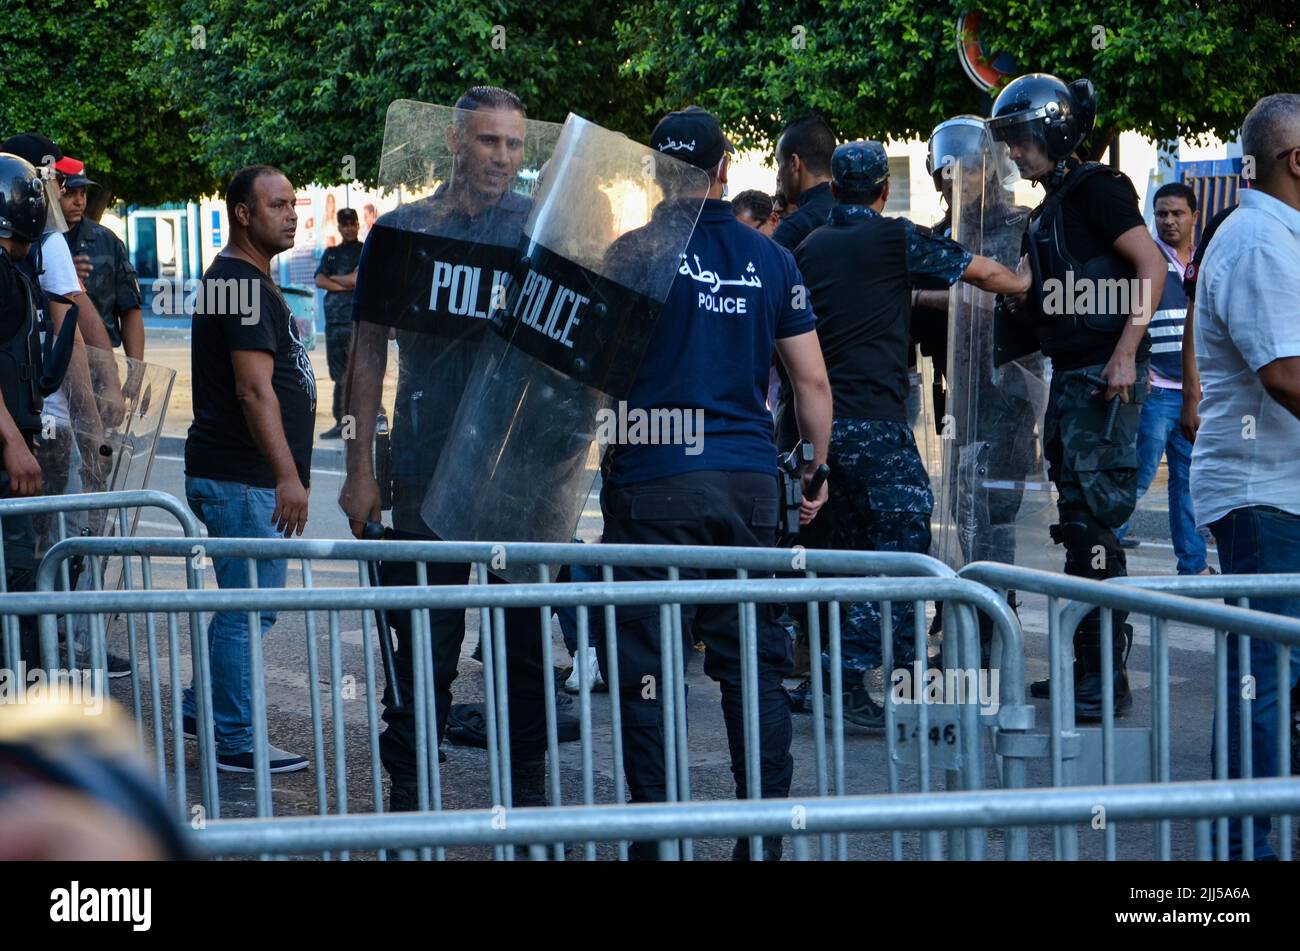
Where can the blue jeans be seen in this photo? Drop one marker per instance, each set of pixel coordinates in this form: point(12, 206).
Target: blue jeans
point(234, 510)
point(1159, 435)
point(1258, 539)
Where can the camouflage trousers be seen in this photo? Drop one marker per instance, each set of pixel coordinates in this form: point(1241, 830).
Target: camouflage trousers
point(1096, 482)
point(882, 499)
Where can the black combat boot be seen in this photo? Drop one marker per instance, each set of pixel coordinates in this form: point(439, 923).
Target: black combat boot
point(771, 849)
point(528, 782)
point(528, 790)
point(859, 707)
point(404, 796)
point(1042, 689)
point(1087, 691)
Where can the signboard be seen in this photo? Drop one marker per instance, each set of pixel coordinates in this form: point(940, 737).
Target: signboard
point(984, 70)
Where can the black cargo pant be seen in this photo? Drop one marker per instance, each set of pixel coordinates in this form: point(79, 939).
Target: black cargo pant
point(698, 508)
point(338, 341)
point(525, 679)
point(19, 540)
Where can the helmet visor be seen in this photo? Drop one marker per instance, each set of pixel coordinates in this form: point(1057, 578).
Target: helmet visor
point(1021, 130)
point(54, 220)
point(952, 141)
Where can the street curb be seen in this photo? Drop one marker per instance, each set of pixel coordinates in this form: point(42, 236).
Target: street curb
point(322, 457)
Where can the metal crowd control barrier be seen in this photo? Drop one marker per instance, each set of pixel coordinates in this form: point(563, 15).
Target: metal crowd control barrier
point(963, 757)
point(1144, 752)
point(121, 503)
point(1242, 589)
point(61, 506)
point(800, 819)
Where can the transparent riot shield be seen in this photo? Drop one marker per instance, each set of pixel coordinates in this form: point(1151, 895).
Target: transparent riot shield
point(921, 415)
point(601, 249)
point(433, 268)
point(996, 502)
point(99, 433)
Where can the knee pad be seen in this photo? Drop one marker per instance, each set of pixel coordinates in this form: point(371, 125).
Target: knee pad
point(1091, 549)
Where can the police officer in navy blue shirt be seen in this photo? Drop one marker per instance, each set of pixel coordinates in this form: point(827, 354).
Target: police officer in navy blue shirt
point(803, 171)
point(861, 269)
point(736, 296)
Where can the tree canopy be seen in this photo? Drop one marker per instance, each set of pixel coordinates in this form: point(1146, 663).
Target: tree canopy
point(304, 84)
point(165, 98)
point(67, 72)
point(889, 68)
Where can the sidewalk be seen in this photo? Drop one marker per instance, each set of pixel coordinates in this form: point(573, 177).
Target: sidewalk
point(171, 348)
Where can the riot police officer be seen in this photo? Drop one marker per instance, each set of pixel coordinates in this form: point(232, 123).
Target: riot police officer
point(23, 208)
point(1085, 240)
point(860, 269)
point(990, 409)
point(472, 222)
point(950, 140)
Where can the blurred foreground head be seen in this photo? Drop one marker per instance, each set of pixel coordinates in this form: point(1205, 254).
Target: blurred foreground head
point(73, 785)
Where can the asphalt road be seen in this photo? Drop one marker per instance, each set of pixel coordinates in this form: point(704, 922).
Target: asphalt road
point(465, 774)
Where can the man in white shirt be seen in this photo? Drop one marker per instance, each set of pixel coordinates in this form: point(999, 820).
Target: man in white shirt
point(1245, 475)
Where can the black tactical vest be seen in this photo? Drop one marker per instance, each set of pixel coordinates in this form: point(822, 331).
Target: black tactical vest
point(20, 358)
point(1049, 255)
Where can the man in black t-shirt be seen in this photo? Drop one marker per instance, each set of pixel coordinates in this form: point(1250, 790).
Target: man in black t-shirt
point(803, 173)
point(1086, 239)
point(248, 452)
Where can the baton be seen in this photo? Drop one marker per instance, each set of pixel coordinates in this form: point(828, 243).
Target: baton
point(818, 480)
point(374, 531)
point(1108, 431)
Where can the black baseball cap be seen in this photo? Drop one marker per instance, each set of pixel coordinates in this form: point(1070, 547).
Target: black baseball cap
point(346, 215)
point(72, 172)
point(692, 135)
point(33, 147)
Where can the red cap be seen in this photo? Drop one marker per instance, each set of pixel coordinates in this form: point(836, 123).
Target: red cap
point(69, 166)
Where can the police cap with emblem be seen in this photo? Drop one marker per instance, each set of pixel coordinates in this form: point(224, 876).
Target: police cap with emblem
point(692, 135)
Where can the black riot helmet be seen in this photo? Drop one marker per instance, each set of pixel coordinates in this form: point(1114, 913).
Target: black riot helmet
point(1043, 109)
point(951, 141)
point(23, 205)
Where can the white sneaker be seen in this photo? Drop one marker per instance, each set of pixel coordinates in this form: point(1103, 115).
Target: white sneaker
point(572, 686)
